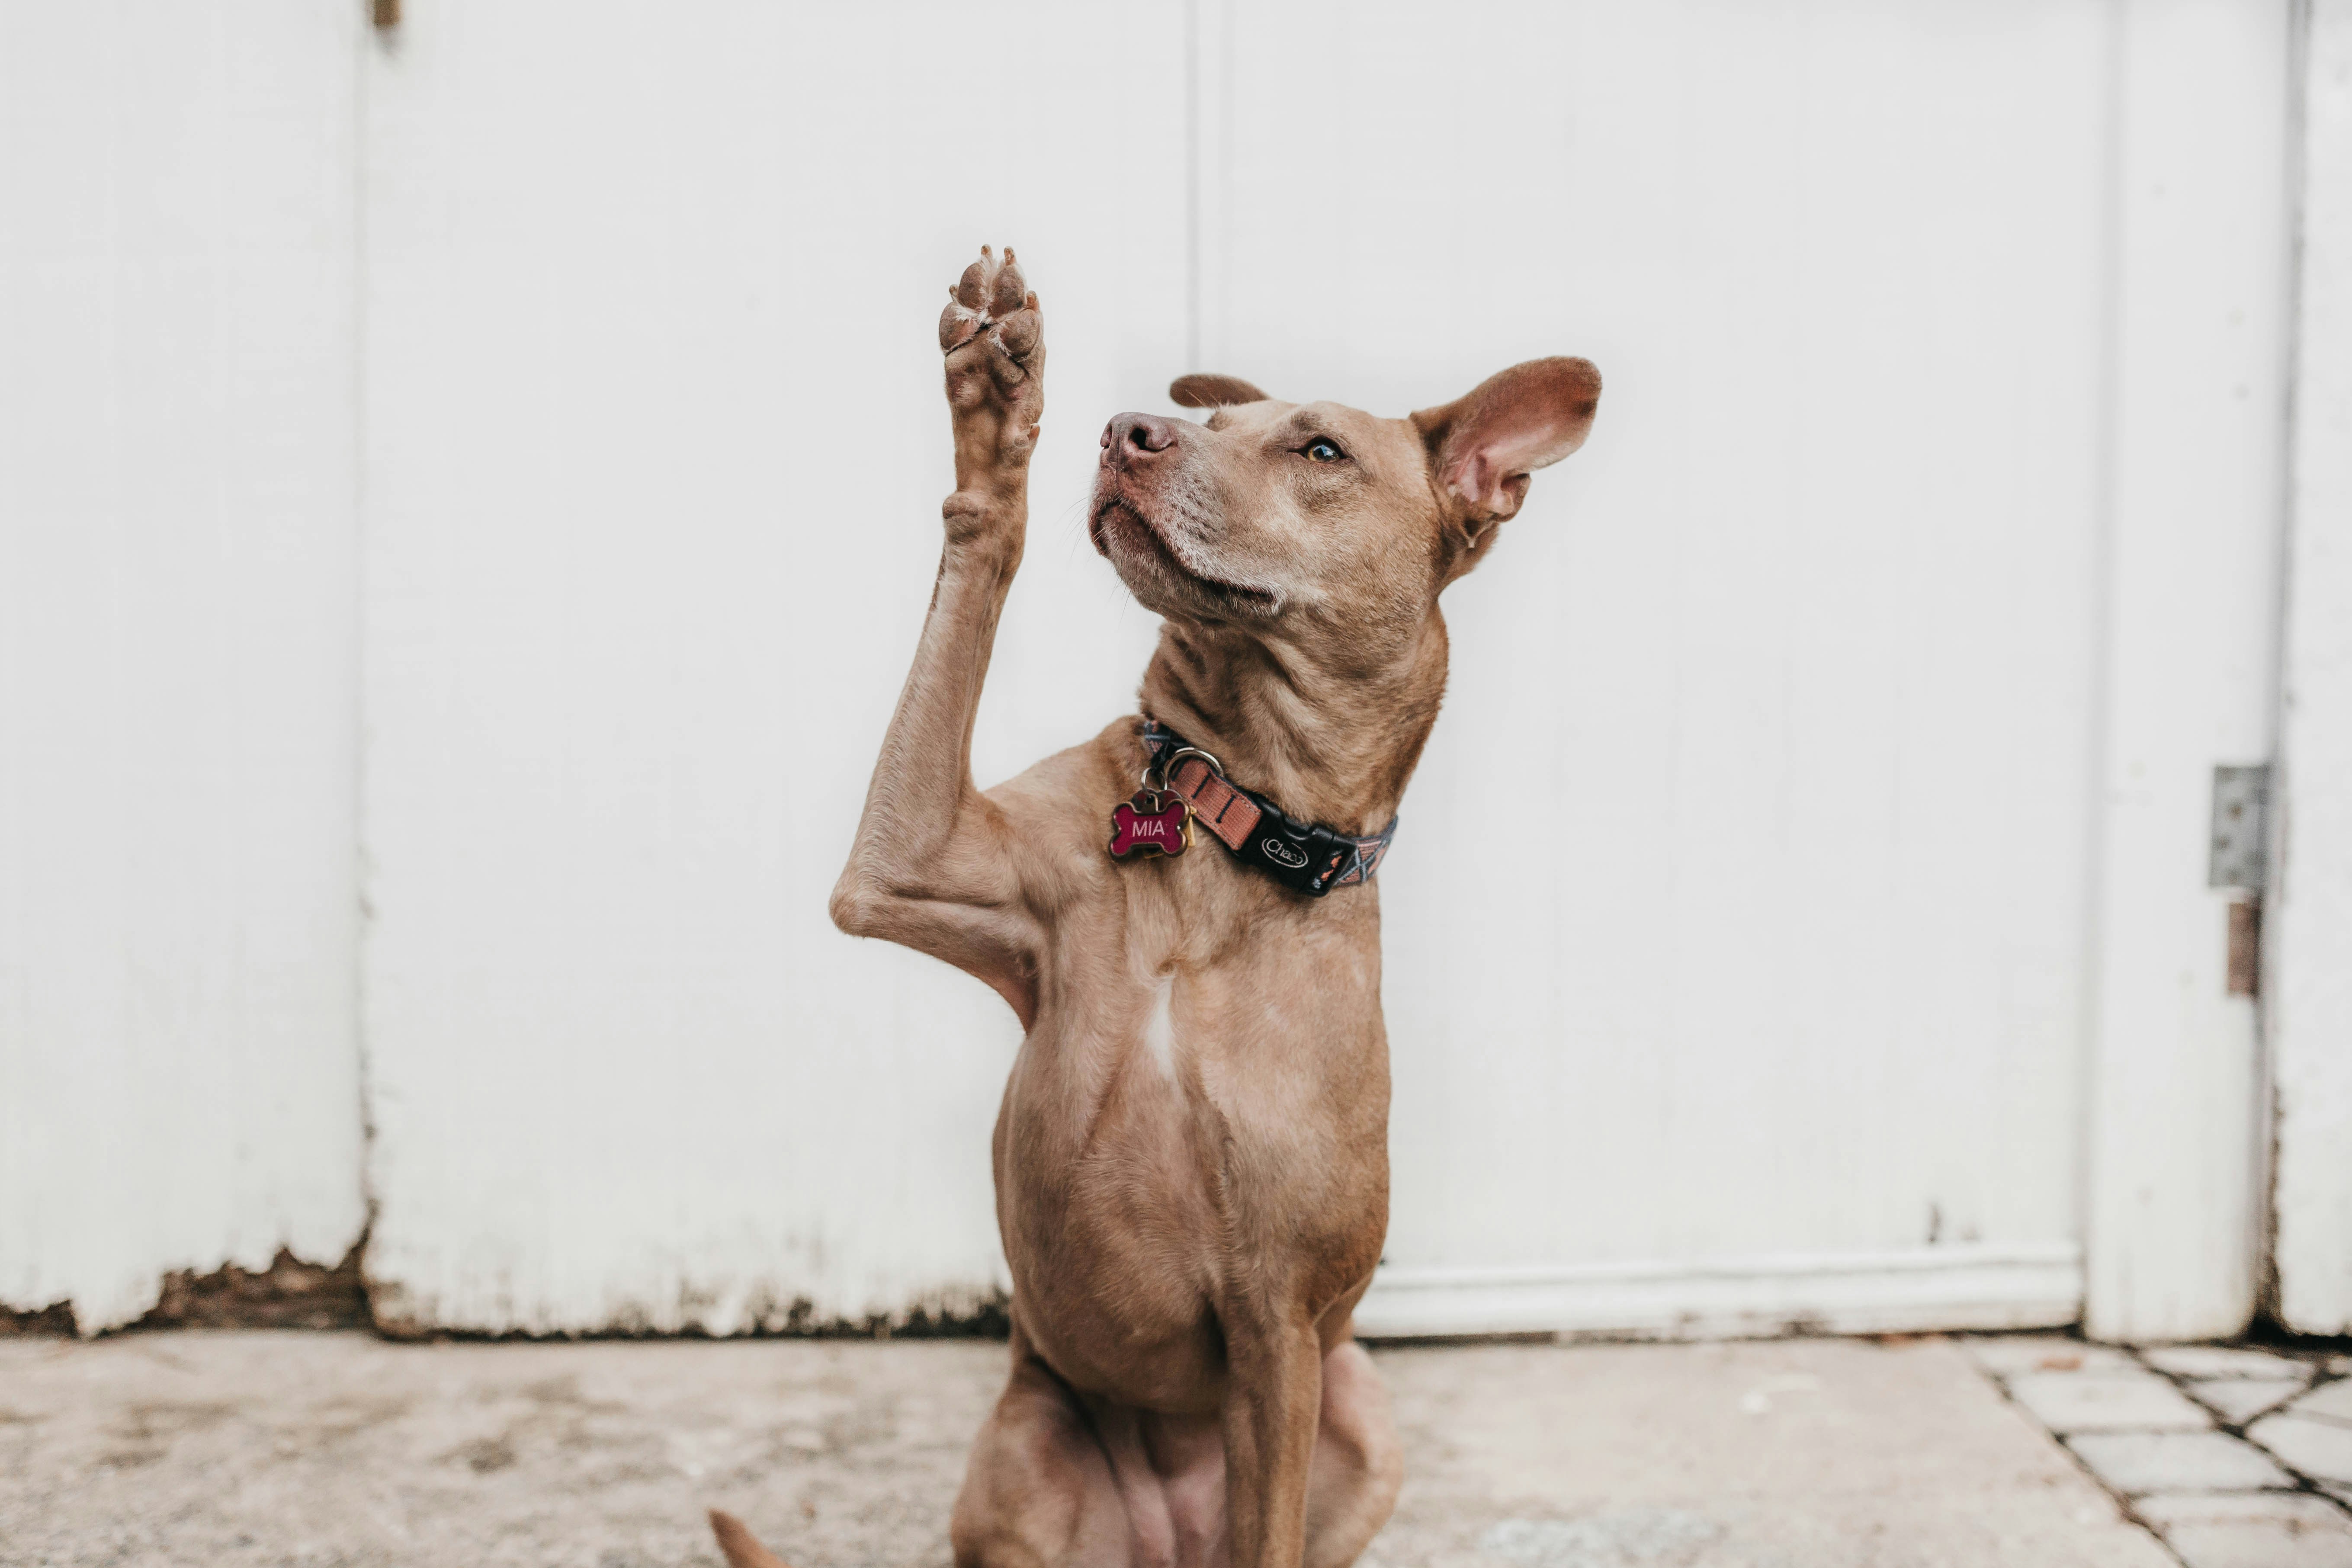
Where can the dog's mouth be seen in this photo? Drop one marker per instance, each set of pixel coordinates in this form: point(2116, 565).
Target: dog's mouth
point(1115, 517)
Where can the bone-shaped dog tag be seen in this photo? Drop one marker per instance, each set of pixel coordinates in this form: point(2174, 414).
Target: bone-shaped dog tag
point(1150, 822)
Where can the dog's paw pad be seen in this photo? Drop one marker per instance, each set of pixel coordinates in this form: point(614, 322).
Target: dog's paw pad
point(992, 298)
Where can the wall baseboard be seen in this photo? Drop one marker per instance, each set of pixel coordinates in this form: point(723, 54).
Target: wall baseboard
point(1915, 1291)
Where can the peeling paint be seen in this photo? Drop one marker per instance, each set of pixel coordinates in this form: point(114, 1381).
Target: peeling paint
point(291, 1293)
point(296, 1293)
point(978, 1313)
point(56, 1319)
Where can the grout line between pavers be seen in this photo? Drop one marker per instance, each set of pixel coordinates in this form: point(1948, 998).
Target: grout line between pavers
point(2320, 1378)
point(2123, 1504)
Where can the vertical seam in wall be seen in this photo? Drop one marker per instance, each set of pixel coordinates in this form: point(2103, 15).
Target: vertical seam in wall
point(2089, 1140)
point(1226, 76)
point(2293, 176)
point(1192, 122)
point(368, 46)
point(2274, 894)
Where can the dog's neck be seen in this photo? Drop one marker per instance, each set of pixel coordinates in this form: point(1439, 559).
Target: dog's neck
point(1332, 740)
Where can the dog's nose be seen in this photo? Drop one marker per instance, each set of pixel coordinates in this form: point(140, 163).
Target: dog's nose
point(1133, 436)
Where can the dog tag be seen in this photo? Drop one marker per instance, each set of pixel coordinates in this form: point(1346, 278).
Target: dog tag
point(1150, 822)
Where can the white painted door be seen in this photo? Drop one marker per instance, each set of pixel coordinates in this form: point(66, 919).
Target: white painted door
point(1738, 935)
point(179, 1064)
point(656, 452)
point(1862, 678)
point(2308, 985)
point(1752, 939)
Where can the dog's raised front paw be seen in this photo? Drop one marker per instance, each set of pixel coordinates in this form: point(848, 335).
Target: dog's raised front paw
point(995, 340)
point(991, 295)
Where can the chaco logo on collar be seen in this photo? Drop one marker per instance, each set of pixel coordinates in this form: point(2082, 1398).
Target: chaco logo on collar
point(1283, 854)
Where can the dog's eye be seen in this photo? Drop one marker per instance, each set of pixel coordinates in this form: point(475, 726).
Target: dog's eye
point(1322, 450)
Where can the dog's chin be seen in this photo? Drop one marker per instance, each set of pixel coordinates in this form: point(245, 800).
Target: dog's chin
point(1160, 579)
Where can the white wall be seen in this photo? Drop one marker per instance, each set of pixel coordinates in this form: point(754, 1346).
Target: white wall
point(1806, 654)
point(657, 446)
point(2309, 981)
point(179, 1075)
point(1794, 662)
point(1873, 656)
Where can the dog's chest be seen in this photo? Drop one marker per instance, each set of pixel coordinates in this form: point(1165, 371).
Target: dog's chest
point(1171, 1058)
point(1222, 995)
point(1193, 1108)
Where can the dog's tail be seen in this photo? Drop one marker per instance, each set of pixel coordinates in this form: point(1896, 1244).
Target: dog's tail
point(739, 1546)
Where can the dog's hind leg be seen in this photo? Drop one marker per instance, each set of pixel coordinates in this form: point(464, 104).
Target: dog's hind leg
point(1039, 1491)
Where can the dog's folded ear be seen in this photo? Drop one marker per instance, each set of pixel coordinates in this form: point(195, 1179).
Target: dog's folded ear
point(1212, 392)
point(1482, 447)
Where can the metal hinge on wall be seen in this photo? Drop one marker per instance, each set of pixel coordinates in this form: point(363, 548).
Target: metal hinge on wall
point(2239, 856)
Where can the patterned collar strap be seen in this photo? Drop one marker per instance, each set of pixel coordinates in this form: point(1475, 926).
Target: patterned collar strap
point(1304, 857)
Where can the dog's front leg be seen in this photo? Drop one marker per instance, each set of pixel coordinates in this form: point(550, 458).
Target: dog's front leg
point(1274, 1396)
point(935, 864)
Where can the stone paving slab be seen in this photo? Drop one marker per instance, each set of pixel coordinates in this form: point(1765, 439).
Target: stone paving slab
point(2279, 1498)
point(2320, 1450)
point(2133, 1401)
point(2223, 1361)
point(2137, 1462)
point(2330, 1402)
point(2255, 1530)
point(316, 1450)
point(2013, 1355)
point(2239, 1400)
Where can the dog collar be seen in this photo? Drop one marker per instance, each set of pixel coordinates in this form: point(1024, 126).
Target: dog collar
point(1304, 857)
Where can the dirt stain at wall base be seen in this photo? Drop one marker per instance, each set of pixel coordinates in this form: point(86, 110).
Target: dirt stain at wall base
point(290, 1294)
point(56, 1319)
point(295, 1293)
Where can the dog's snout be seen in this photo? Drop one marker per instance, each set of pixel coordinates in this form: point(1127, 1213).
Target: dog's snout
point(1130, 436)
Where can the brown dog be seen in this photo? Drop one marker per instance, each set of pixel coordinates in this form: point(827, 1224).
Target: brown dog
point(1191, 1159)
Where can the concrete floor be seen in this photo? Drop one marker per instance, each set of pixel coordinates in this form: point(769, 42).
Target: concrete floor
point(238, 1448)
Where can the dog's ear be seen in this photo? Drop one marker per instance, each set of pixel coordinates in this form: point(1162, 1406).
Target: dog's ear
point(1212, 392)
point(1482, 447)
